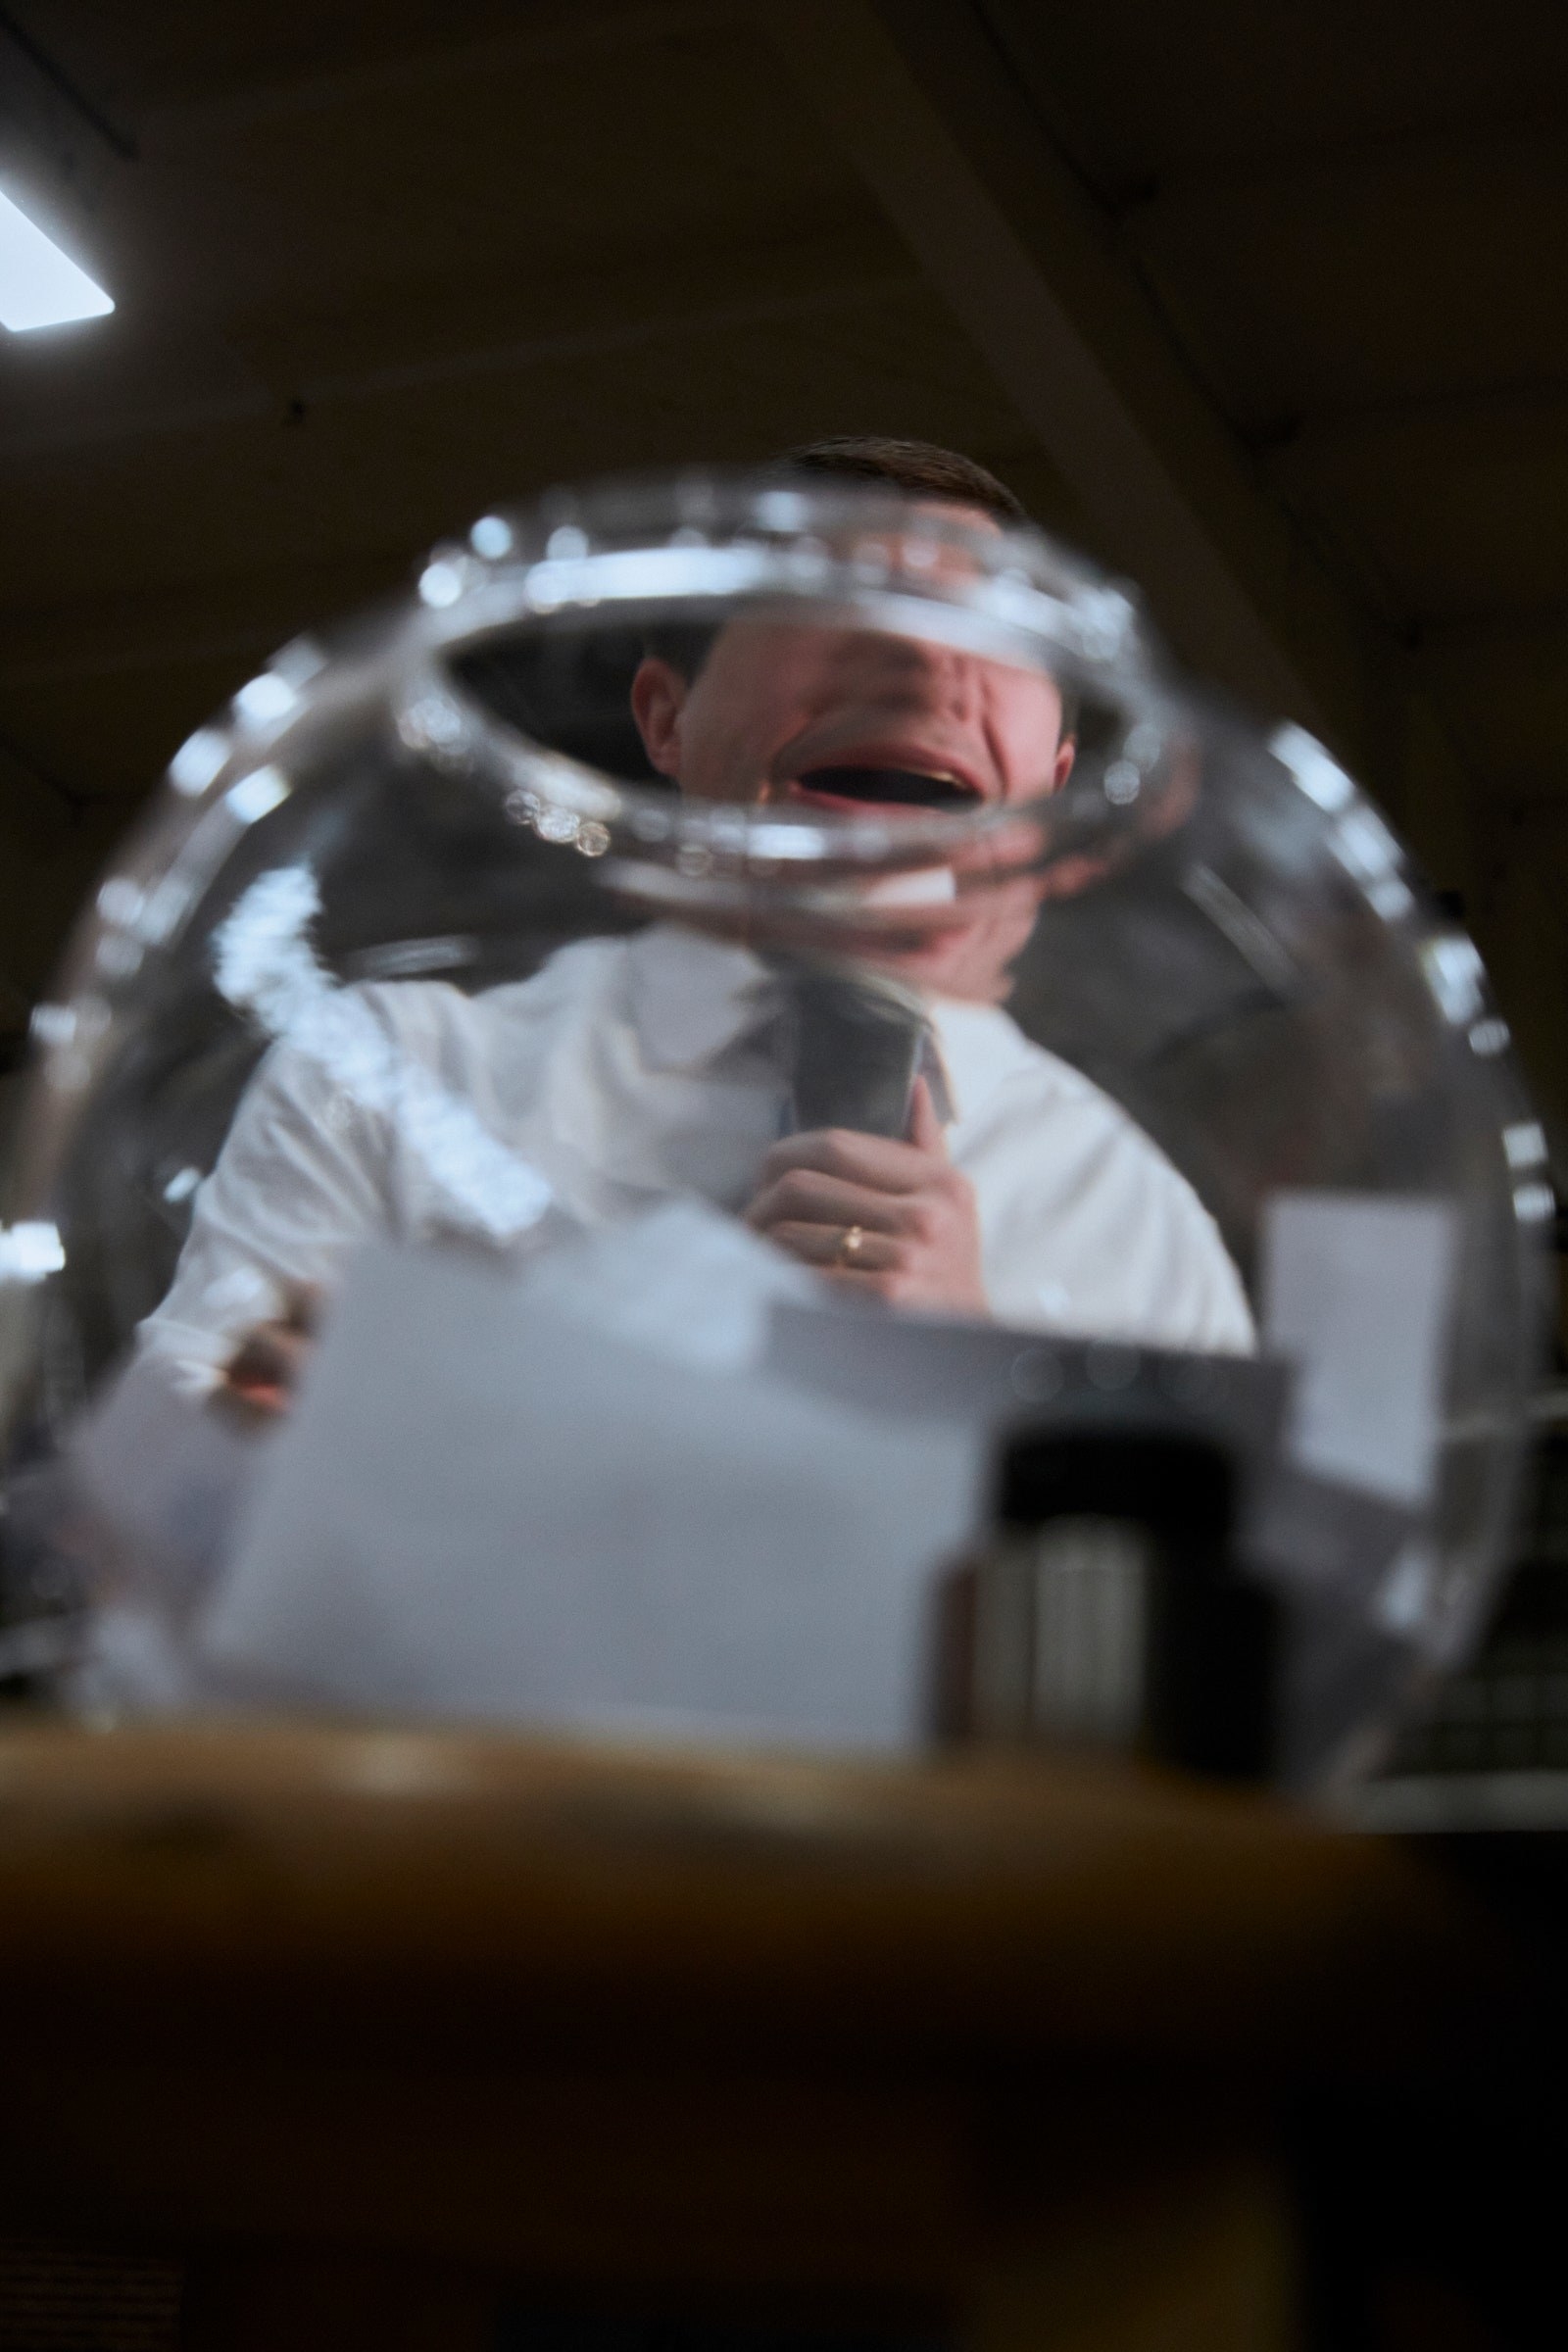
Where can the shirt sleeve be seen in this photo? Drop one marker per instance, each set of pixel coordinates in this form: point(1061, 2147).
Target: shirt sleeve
point(1091, 1231)
point(302, 1179)
point(1170, 1280)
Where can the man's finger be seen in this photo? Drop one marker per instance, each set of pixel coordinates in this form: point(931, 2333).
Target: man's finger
point(875, 1160)
point(250, 1409)
point(822, 1246)
point(269, 1358)
point(302, 1307)
point(803, 1197)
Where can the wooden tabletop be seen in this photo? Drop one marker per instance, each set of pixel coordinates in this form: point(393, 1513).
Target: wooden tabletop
point(1000, 1902)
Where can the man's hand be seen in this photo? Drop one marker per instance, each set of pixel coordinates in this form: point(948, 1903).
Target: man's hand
point(261, 1376)
point(894, 1221)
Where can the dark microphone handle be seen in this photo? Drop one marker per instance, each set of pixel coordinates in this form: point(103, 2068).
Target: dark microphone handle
point(857, 1055)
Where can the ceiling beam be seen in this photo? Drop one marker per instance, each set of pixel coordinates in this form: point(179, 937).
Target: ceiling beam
point(919, 95)
point(1535, 805)
point(246, 616)
point(915, 93)
point(1364, 158)
point(550, 30)
point(624, 333)
point(115, 137)
point(610, 316)
point(1443, 640)
point(1480, 419)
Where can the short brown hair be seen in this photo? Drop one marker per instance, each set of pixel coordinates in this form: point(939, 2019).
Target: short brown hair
point(920, 467)
point(926, 470)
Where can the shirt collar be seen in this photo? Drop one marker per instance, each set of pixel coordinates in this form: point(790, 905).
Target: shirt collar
point(692, 995)
point(981, 1047)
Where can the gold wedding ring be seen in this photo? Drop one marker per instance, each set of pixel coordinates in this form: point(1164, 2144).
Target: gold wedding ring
point(850, 1245)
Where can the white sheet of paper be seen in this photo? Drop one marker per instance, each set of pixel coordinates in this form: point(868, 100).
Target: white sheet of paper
point(487, 1508)
point(165, 1475)
point(1356, 1289)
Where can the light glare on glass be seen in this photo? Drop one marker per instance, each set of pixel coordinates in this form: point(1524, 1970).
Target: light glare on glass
point(1321, 778)
point(39, 285)
point(440, 585)
point(259, 794)
point(28, 1252)
point(53, 1026)
point(198, 761)
point(1453, 971)
point(266, 698)
point(491, 537)
point(1525, 1144)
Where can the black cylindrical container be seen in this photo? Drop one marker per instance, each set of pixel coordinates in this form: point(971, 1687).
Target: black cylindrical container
point(1107, 1609)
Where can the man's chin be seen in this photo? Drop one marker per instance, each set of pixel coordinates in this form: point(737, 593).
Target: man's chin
point(942, 965)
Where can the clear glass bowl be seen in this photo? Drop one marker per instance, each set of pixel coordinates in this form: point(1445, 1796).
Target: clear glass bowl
point(526, 994)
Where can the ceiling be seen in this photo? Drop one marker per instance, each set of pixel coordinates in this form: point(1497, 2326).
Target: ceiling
point(1261, 301)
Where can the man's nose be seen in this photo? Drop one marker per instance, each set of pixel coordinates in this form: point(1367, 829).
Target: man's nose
point(951, 676)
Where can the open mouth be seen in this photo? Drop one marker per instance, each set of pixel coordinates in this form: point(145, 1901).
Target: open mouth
point(890, 787)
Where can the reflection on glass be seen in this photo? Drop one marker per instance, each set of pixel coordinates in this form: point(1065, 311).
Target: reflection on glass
point(713, 905)
point(878, 1116)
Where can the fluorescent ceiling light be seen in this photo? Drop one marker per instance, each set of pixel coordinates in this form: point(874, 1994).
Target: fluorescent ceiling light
point(39, 285)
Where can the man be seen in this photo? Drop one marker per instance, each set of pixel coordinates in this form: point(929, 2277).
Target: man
point(628, 1071)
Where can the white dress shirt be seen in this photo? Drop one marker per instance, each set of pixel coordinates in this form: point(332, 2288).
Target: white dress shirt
point(626, 1071)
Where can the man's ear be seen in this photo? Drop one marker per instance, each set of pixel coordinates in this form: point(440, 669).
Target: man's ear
point(657, 698)
point(1061, 766)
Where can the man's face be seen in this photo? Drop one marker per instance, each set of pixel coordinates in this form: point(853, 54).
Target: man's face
point(798, 715)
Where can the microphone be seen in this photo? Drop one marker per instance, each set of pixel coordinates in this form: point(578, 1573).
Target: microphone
point(854, 1043)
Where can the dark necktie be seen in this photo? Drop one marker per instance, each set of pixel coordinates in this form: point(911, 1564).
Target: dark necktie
point(853, 1046)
